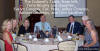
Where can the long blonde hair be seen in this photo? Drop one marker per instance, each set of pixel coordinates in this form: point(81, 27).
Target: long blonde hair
point(89, 21)
point(4, 25)
point(92, 25)
point(14, 28)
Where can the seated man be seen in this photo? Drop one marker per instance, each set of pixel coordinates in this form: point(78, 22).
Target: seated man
point(42, 27)
point(74, 27)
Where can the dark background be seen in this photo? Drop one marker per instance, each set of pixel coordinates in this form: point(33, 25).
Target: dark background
point(6, 10)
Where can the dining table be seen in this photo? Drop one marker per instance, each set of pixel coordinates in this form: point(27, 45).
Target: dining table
point(45, 44)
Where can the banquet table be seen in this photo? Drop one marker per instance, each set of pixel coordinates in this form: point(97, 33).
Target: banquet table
point(41, 44)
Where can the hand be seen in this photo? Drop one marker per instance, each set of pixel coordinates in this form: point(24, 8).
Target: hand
point(85, 45)
point(71, 34)
point(46, 32)
point(13, 42)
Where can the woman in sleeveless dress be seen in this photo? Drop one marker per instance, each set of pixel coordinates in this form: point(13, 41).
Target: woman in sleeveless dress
point(90, 37)
point(7, 37)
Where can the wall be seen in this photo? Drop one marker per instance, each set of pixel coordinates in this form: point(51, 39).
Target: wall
point(93, 13)
point(6, 10)
point(1, 12)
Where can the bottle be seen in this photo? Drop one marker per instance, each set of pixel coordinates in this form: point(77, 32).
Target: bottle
point(51, 34)
point(37, 32)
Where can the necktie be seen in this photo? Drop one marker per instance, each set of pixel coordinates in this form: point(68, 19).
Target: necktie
point(43, 27)
point(71, 29)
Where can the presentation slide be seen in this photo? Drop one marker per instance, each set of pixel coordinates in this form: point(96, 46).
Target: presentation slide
point(65, 8)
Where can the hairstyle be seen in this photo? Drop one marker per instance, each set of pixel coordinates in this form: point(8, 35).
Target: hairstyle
point(92, 25)
point(27, 20)
point(4, 25)
point(71, 16)
point(85, 18)
point(41, 15)
point(14, 28)
point(14, 18)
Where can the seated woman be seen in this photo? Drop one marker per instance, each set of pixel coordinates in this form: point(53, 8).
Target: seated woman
point(14, 27)
point(24, 28)
point(7, 37)
point(91, 38)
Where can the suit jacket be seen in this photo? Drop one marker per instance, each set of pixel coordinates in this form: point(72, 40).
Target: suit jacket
point(77, 28)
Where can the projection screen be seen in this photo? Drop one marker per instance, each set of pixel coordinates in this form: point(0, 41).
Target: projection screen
point(64, 8)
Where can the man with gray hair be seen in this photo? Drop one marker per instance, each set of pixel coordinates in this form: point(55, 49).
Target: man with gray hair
point(84, 19)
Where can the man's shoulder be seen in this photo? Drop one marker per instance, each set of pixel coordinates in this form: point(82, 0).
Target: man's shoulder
point(77, 22)
point(46, 22)
point(37, 22)
point(69, 23)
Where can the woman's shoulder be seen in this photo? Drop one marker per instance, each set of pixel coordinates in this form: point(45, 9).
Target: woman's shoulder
point(5, 33)
point(21, 27)
point(93, 32)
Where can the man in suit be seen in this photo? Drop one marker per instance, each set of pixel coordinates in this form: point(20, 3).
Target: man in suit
point(74, 27)
point(42, 27)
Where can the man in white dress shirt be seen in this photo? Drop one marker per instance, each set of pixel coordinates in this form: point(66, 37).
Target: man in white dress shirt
point(73, 26)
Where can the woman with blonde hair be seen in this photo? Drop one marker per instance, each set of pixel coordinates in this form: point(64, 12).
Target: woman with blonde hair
point(14, 25)
point(90, 37)
point(7, 37)
point(14, 28)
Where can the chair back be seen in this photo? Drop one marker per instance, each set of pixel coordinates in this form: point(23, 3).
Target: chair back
point(67, 46)
point(2, 45)
point(19, 47)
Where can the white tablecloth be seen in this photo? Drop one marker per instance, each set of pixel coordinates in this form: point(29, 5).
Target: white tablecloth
point(40, 45)
point(33, 47)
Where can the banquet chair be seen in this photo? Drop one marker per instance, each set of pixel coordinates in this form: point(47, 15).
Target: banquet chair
point(56, 50)
point(1, 36)
point(2, 45)
point(67, 46)
point(19, 47)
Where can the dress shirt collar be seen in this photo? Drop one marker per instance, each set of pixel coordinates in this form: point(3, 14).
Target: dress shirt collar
point(72, 23)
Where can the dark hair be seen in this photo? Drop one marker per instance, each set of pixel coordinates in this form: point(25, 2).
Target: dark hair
point(14, 18)
point(71, 16)
point(26, 19)
point(41, 15)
